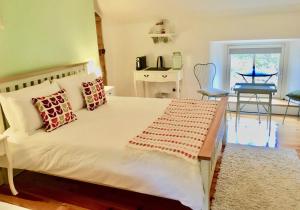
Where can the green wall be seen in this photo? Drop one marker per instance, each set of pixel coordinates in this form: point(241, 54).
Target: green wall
point(46, 33)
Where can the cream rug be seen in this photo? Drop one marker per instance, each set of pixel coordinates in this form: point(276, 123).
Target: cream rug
point(254, 178)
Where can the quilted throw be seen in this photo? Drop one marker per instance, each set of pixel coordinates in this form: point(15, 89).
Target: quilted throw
point(180, 131)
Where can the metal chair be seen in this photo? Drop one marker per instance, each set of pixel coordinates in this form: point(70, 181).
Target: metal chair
point(205, 75)
point(293, 96)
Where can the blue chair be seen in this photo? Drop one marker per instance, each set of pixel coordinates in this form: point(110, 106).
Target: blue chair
point(293, 96)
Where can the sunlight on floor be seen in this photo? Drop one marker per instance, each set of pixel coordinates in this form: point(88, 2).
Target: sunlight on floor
point(251, 132)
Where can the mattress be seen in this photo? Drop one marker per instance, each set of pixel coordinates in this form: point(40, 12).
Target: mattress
point(95, 149)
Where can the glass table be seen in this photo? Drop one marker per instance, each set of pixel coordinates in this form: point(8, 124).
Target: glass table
point(254, 74)
point(255, 88)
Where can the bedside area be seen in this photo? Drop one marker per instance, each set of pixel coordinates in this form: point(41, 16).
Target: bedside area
point(109, 90)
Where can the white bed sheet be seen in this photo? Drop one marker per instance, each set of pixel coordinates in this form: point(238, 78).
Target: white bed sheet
point(94, 149)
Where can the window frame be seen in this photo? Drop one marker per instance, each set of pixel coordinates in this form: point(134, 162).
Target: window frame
point(282, 68)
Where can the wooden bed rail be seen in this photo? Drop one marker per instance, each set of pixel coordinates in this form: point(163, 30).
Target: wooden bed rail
point(207, 150)
point(12, 83)
point(39, 72)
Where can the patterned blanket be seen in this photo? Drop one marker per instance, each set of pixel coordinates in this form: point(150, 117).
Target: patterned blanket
point(180, 131)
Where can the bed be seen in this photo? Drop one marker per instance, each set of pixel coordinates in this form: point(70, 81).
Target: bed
point(75, 151)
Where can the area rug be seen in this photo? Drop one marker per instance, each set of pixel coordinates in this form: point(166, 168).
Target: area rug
point(253, 178)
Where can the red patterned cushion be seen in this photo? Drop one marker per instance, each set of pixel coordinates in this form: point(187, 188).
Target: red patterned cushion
point(94, 94)
point(55, 110)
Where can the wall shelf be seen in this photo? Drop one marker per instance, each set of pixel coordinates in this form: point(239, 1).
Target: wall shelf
point(162, 32)
point(162, 37)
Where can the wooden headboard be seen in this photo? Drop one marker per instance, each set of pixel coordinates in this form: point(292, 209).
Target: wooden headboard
point(20, 81)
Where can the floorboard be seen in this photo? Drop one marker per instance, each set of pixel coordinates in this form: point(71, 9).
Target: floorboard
point(45, 192)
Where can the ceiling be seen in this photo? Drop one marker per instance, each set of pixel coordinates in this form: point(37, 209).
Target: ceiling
point(128, 10)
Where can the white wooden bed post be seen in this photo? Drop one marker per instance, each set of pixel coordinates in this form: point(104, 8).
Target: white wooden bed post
point(7, 161)
point(205, 167)
point(21, 81)
point(208, 163)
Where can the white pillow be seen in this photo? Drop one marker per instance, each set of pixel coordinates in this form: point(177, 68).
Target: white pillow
point(73, 87)
point(19, 110)
point(7, 109)
point(27, 117)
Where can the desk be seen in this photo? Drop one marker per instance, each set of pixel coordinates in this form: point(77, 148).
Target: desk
point(158, 76)
point(255, 88)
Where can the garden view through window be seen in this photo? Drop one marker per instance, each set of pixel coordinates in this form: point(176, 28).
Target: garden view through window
point(264, 62)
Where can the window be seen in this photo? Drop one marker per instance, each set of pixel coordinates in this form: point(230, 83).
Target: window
point(263, 62)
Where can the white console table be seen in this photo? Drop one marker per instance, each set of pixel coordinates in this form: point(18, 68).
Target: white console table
point(158, 76)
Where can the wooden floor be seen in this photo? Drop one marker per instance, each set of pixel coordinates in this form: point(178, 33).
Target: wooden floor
point(250, 132)
point(46, 192)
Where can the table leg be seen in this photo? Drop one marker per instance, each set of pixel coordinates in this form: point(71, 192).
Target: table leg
point(270, 113)
point(144, 87)
point(258, 111)
point(178, 88)
point(135, 88)
point(237, 110)
point(268, 117)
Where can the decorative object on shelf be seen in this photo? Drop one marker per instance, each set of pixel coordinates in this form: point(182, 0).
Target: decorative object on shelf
point(177, 61)
point(160, 27)
point(161, 32)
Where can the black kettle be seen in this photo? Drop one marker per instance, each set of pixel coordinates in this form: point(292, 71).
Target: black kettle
point(160, 62)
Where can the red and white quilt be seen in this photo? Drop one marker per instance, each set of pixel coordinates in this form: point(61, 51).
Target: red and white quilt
point(180, 131)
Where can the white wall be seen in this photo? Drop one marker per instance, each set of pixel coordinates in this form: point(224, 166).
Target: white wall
point(218, 56)
point(124, 42)
point(293, 71)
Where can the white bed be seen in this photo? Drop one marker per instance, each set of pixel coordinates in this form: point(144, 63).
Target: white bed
point(94, 149)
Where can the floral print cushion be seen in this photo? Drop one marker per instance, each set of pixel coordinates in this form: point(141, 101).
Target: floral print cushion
point(94, 94)
point(55, 110)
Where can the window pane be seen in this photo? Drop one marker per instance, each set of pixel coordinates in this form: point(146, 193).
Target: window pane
point(240, 63)
point(264, 63)
point(268, 63)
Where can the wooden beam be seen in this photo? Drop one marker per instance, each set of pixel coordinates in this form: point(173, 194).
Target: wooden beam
point(101, 49)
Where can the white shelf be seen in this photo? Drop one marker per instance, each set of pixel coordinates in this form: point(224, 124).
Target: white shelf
point(170, 35)
point(161, 37)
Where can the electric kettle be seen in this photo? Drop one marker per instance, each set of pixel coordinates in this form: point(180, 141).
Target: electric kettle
point(160, 62)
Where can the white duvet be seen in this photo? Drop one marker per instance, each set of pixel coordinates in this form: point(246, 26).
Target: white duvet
point(94, 149)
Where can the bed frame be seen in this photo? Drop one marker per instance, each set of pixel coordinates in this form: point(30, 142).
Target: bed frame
point(20, 81)
point(207, 157)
